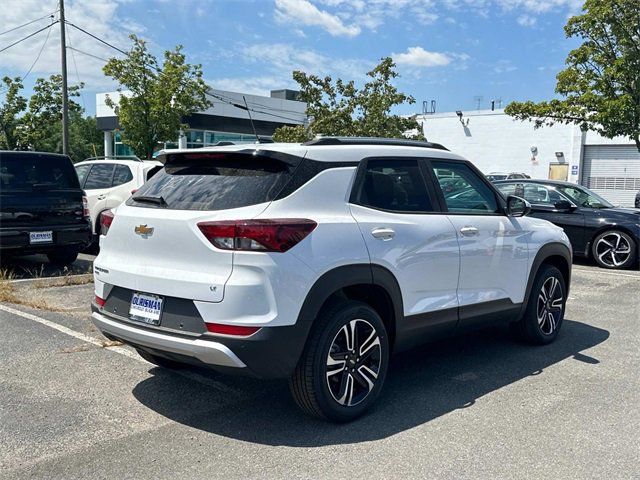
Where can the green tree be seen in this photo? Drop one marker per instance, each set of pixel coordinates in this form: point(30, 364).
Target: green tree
point(10, 109)
point(339, 108)
point(158, 98)
point(601, 83)
point(40, 125)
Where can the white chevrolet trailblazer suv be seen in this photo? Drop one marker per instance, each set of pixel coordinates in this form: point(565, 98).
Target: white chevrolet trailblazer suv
point(109, 181)
point(317, 261)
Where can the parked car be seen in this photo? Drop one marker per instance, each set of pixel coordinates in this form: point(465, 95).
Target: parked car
point(495, 176)
point(109, 181)
point(596, 228)
point(315, 262)
point(42, 207)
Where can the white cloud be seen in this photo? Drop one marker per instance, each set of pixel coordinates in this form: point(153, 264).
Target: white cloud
point(99, 18)
point(419, 57)
point(303, 12)
point(526, 20)
point(277, 61)
point(350, 17)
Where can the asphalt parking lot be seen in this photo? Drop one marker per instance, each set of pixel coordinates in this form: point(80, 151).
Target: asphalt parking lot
point(75, 406)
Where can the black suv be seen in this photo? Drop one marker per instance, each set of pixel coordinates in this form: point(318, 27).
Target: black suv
point(42, 207)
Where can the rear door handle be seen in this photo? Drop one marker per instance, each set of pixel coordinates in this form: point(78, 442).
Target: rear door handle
point(469, 231)
point(383, 233)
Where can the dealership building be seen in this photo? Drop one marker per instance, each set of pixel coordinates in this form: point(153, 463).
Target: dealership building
point(226, 120)
point(495, 142)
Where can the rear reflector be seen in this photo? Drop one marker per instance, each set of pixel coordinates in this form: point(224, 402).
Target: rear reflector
point(274, 235)
point(236, 330)
point(85, 207)
point(100, 301)
point(106, 219)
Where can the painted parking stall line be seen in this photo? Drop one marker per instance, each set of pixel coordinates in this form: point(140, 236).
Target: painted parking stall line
point(191, 375)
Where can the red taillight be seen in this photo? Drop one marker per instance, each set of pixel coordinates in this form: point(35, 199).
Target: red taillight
point(100, 301)
point(106, 219)
point(85, 207)
point(236, 330)
point(275, 235)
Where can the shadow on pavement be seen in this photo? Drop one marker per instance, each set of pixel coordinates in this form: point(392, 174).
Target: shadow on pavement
point(35, 266)
point(422, 385)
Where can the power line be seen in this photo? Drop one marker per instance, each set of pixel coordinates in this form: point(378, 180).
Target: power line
point(87, 53)
point(28, 23)
point(39, 54)
point(75, 65)
point(97, 38)
point(28, 36)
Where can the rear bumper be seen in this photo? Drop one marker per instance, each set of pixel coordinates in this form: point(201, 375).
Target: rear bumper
point(271, 352)
point(14, 239)
point(205, 351)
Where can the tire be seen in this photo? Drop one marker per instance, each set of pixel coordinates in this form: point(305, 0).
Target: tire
point(160, 361)
point(614, 249)
point(545, 309)
point(63, 256)
point(347, 388)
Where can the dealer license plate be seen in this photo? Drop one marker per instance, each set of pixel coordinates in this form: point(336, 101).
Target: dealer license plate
point(41, 237)
point(146, 308)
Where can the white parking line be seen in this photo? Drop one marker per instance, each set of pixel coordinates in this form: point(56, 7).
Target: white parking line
point(191, 375)
point(605, 272)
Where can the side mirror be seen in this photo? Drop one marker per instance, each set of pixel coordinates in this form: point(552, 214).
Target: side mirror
point(564, 206)
point(517, 207)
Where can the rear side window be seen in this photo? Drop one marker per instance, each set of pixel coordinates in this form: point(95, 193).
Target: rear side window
point(214, 181)
point(395, 185)
point(82, 171)
point(19, 171)
point(463, 190)
point(100, 176)
point(122, 175)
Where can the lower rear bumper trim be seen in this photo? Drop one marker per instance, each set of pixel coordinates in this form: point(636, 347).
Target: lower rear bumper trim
point(206, 351)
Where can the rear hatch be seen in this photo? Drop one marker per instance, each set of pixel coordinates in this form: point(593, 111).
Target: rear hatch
point(38, 190)
point(154, 244)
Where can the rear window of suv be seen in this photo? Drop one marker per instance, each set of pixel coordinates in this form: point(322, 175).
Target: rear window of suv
point(27, 171)
point(213, 181)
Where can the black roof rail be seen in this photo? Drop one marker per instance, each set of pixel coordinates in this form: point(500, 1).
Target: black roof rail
point(399, 142)
point(115, 157)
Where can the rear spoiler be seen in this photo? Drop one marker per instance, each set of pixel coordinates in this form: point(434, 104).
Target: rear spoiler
point(169, 158)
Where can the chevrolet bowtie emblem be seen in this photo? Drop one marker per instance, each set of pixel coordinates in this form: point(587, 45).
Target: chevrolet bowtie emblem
point(143, 230)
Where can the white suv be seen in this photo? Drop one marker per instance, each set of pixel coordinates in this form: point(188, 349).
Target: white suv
point(109, 181)
point(316, 261)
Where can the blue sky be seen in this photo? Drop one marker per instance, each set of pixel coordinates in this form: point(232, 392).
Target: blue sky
point(447, 50)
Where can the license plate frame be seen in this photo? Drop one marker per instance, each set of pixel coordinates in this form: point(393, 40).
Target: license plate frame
point(40, 237)
point(147, 308)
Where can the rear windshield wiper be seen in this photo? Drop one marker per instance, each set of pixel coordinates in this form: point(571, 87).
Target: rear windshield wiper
point(148, 199)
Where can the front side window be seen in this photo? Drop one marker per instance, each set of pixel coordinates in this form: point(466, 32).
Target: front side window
point(463, 190)
point(395, 185)
point(122, 175)
point(99, 177)
point(583, 197)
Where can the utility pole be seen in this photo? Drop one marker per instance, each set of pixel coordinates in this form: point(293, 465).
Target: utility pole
point(65, 97)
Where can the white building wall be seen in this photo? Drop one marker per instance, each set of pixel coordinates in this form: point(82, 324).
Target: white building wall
point(495, 142)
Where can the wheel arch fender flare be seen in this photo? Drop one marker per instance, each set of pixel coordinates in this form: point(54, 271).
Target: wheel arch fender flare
point(344, 276)
point(550, 253)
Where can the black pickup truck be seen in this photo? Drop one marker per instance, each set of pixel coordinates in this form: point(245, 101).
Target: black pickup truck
point(42, 207)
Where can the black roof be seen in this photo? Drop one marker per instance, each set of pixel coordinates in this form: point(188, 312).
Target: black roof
point(374, 141)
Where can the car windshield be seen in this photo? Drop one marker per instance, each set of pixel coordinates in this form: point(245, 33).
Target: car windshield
point(493, 178)
point(584, 197)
